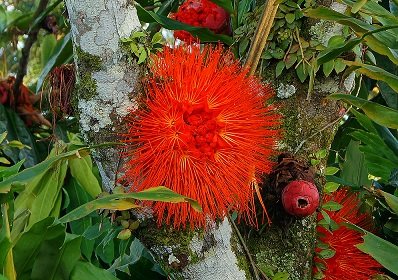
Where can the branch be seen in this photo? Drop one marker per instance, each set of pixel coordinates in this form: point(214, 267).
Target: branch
point(32, 37)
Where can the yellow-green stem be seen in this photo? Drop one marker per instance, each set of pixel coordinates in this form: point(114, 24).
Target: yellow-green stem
point(260, 37)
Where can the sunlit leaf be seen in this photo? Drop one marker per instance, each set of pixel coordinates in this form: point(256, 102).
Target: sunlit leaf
point(381, 250)
point(378, 113)
point(117, 202)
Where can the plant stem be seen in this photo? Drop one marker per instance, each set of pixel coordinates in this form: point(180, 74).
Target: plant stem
point(260, 37)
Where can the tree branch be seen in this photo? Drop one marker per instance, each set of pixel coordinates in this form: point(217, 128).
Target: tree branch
point(32, 37)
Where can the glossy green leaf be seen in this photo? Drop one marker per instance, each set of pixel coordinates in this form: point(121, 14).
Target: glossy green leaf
point(61, 54)
point(331, 206)
point(29, 174)
point(83, 173)
point(88, 271)
point(46, 48)
point(47, 195)
point(328, 67)
point(279, 68)
point(330, 187)
point(290, 60)
point(138, 265)
point(339, 65)
point(56, 258)
point(383, 34)
point(116, 201)
point(302, 72)
point(225, 4)
point(28, 245)
point(378, 113)
point(353, 168)
point(6, 260)
point(331, 170)
point(375, 73)
point(78, 196)
point(391, 200)
point(204, 34)
point(381, 250)
point(281, 276)
point(243, 8)
point(327, 253)
point(11, 123)
point(3, 19)
point(290, 17)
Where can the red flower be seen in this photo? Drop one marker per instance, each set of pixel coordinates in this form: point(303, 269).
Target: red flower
point(348, 262)
point(202, 13)
point(204, 132)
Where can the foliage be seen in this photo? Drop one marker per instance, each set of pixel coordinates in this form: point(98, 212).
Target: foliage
point(55, 184)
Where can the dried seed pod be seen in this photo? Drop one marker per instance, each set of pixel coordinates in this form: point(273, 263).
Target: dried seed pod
point(300, 198)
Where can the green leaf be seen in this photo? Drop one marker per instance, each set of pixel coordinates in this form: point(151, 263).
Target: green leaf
point(290, 18)
point(339, 65)
point(326, 217)
point(28, 245)
point(331, 170)
point(41, 17)
point(47, 194)
point(88, 271)
point(331, 206)
point(375, 73)
point(327, 253)
point(225, 4)
point(389, 95)
point(378, 113)
point(115, 201)
point(78, 196)
point(301, 72)
point(279, 68)
point(358, 5)
point(82, 171)
point(381, 250)
point(28, 174)
point(62, 54)
point(57, 258)
point(353, 168)
point(330, 187)
point(243, 8)
point(327, 67)
point(204, 34)
point(139, 265)
point(281, 276)
point(16, 130)
point(391, 200)
point(3, 19)
point(47, 47)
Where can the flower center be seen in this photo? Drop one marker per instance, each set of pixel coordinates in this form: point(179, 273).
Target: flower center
point(203, 138)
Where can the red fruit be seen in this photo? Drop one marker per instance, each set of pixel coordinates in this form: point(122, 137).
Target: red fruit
point(300, 198)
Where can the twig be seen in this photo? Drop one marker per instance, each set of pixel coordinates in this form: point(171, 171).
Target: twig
point(32, 37)
point(242, 241)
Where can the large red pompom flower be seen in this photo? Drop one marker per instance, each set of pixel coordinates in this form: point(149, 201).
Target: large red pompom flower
point(348, 262)
point(204, 132)
point(202, 13)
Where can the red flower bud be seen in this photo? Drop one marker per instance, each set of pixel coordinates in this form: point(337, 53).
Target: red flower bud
point(300, 198)
point(202, 13)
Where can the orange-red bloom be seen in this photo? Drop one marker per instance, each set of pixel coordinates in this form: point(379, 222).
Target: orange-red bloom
point(204, 132)
point(348, 262)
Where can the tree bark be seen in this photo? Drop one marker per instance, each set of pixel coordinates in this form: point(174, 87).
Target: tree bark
point(107, 87)
point(107, 83)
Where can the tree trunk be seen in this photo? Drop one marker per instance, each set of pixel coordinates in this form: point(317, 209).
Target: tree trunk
point(107, 86)
point(107, 83)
